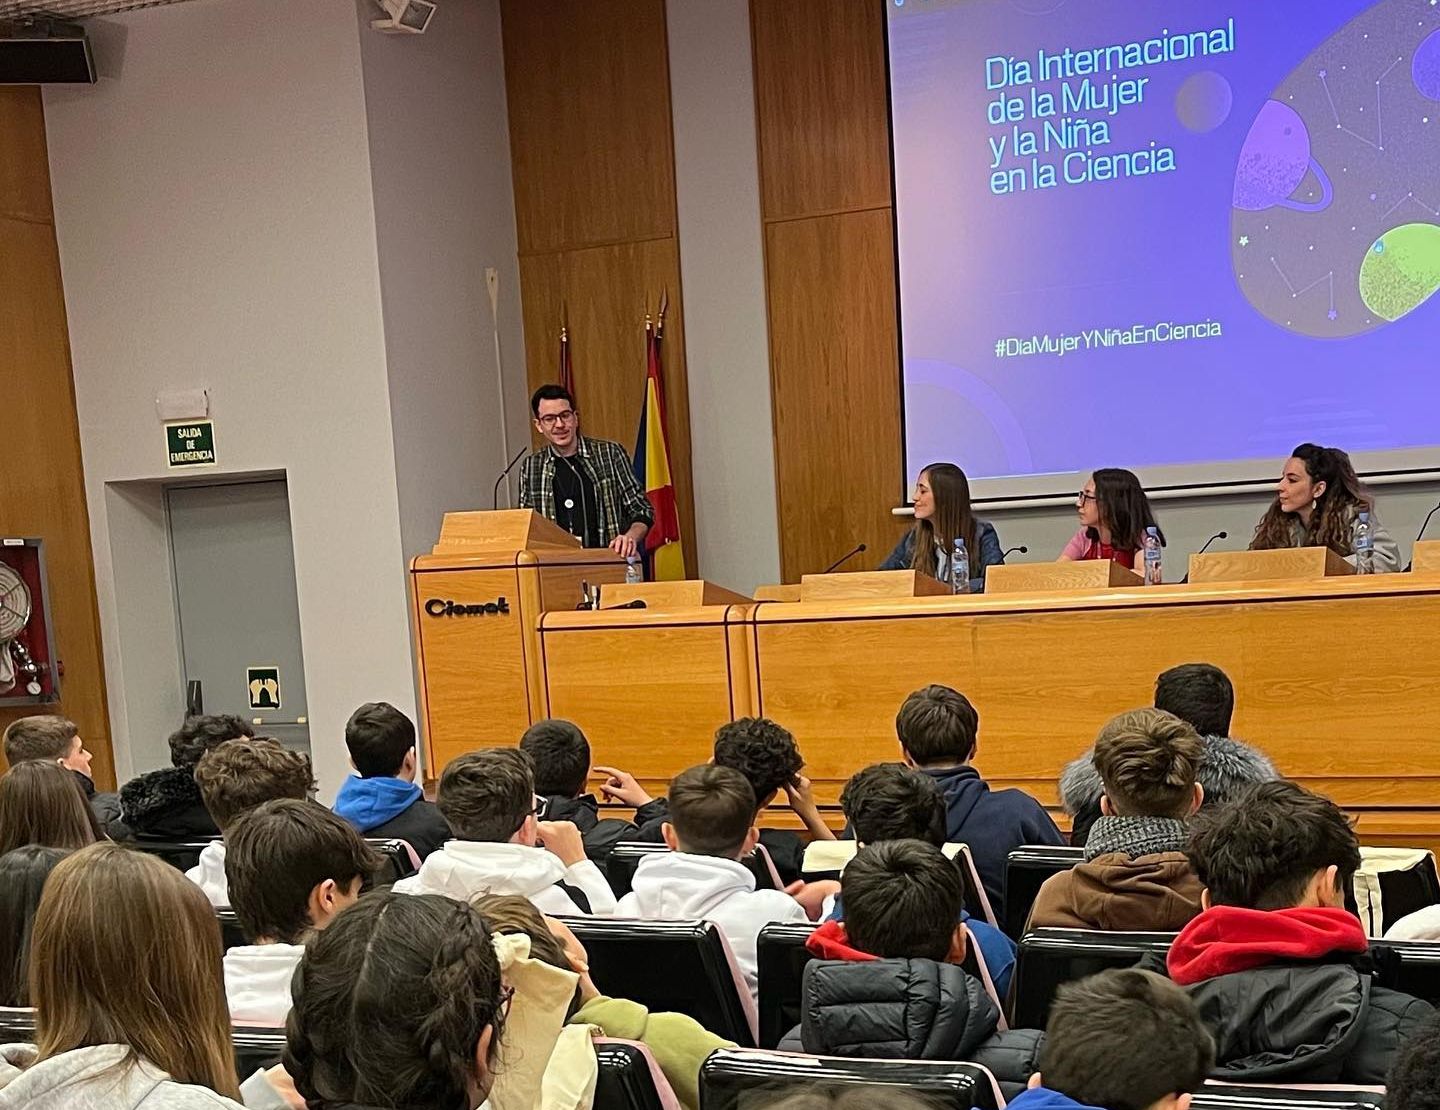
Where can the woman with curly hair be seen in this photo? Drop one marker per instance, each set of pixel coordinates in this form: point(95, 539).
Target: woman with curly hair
point(1318, 503)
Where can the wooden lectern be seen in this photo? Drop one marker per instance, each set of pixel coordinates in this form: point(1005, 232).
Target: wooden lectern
point(1425, 559)
point(670, 595)
point(1080, 574)
point(475, 603)
point(1267, 566)
point(779, 592)
point(866, 584)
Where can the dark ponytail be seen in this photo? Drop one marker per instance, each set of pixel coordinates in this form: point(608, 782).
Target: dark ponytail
point(390, 1004)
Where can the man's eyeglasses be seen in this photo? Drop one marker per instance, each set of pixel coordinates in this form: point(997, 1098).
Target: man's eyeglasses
point(550, 419)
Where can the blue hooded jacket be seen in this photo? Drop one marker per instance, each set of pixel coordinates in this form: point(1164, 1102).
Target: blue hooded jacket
point(366, 803)
point(1043, 1098)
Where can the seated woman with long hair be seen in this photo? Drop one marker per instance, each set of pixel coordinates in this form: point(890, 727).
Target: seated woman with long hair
point(41, 803)
point(1114, 514)
point(943, 515)
point(1318, 503)
point(125, 975)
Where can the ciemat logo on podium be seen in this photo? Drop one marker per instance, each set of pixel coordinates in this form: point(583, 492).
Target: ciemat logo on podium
point(438, 607)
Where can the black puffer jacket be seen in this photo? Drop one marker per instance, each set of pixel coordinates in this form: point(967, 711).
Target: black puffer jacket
point(910, 1010)
point(1323, 1022)
point(166, 805)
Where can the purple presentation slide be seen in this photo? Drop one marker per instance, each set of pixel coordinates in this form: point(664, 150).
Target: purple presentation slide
point(1151, 233)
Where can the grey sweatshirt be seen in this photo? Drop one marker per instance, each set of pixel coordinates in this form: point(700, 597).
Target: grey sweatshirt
point(89, 1079)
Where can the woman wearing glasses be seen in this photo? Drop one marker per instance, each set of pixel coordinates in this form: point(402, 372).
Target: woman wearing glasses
point(587, 486)
point(1114, 513)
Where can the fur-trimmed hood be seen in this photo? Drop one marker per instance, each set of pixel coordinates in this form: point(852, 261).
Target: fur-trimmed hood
point(166, 803)
point(1229, 767)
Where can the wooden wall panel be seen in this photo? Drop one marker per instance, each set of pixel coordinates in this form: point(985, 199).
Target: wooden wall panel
point(592, 151)
point(824, 147)
point(42, 487)
point(590, 137)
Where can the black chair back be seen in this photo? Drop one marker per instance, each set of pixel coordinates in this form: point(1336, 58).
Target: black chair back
point(399, 864)
point(1049, 957)
point(729, 1075)
point(231, 935)
point(1026, 869)
point(625, 1081)
point(17, 1025)
point(682, 966)
point(1260, 1097)
point(781, 957)
point(183, 854)
point(1411, 966)
point(255, 1048)
point(620, 866)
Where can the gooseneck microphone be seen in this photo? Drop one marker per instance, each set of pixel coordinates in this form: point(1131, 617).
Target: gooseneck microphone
point(1011, 551)
point(1220, 535)
point(1420, 535)
point(859, 549)
point(495, 502)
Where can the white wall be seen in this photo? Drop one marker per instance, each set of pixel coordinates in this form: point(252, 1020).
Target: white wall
point(445, 212)
point(214, 213)
point(722, 269)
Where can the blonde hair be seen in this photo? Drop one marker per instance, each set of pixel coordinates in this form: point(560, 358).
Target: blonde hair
point(127, 951)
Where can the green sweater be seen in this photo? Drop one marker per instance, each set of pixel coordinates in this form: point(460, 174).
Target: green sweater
point(678, 1043)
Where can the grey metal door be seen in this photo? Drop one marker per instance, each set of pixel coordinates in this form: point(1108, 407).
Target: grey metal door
point(235, 594)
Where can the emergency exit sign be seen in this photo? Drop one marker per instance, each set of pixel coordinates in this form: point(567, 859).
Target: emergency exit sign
point(190, 443)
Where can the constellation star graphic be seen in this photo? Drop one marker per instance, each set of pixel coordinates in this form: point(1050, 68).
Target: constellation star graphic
point(1244, 240)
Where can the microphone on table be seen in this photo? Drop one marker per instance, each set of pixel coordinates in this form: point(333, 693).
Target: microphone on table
point(495, 503)
point(1421, 534)
point(859, 549)
point(1220, 535)
point(1011, 551)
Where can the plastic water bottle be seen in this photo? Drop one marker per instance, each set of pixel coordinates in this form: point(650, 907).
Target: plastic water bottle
point(634, 572)
point(1364, 546)
point(960, 568)
point(1152, 556)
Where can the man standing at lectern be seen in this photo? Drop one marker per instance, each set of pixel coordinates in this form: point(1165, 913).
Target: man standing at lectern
point(587, 486)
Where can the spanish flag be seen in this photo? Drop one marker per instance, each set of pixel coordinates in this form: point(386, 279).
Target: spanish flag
point(652, 468)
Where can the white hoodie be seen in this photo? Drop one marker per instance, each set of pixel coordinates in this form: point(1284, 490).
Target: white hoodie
point(671, 886)
point(257, 982)
point(209, 875)
point(88, 1079)
point(466, 869)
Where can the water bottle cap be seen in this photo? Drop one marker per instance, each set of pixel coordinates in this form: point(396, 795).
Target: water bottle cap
point(1364, 516)
point(1152, 530)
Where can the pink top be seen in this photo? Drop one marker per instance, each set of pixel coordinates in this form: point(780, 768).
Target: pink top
point(1083, 546)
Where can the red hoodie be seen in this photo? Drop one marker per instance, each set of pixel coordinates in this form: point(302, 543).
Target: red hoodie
point(1225, 939)
point(829, 942)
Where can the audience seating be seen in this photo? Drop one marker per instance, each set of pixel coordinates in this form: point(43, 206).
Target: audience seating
point(1026, 869)
point(780, 958)
point(231, 934)
point(17, 1024)
point(625, 857)
point(256, 1047)
point(1223, 1096)
point(183, 854)
point(630, 1079)
point(733, 1078)
point(685, 966)
point(1049, 957)
point(1412, 966)
point(400, 857)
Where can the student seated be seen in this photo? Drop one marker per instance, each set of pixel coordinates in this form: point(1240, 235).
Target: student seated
point(398, 1004)
point(766, 754)
point(888, 982)
point(1276, 964)
point(236, 777)
point(166, 804)
point(889, 801)
point(1201, 695)
point(678, 1042)
point(23, 873)
point(54, 739)
point(1135, 874)
point(937, 727)
point(125, 972)
point(710, 828)
point(1414, 1082)
point(488, 800)
point(1122, 1040)
point(290, 867)
point(561, 757)
point(41, 804)
point(382, 799)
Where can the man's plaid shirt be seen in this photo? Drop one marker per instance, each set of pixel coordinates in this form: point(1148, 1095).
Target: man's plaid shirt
point(622, 501)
